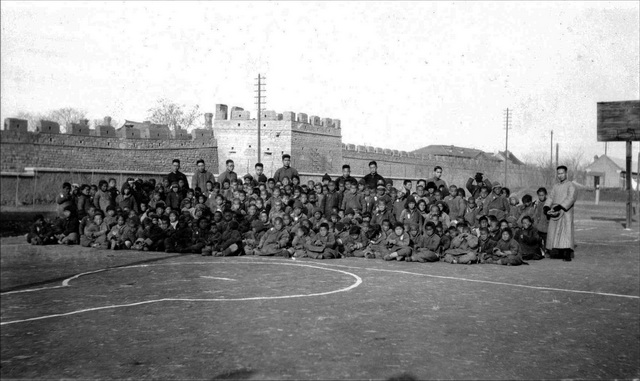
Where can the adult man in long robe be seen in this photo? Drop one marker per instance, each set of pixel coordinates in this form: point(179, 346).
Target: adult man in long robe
point(559, 207)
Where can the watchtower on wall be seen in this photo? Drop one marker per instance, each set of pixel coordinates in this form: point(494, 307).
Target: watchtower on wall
point(313, 146)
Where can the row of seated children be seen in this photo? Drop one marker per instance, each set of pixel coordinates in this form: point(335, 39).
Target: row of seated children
point(280, 202)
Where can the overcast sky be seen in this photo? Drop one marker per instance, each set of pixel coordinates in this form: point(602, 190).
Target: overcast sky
point(398, 75)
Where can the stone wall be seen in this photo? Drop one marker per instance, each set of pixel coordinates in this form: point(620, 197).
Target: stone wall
point(316, 149)
point(455, 170)
point(27, 149)
point(237, 140)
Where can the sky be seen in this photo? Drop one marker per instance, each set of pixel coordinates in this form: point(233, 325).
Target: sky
point(399, 75)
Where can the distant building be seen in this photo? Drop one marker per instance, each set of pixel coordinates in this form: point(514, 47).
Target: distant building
point(511, 157)
point(607, 172)
point(465, 153)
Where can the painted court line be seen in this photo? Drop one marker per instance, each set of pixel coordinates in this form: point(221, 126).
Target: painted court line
point(66, 283)
point(213, 277)
point(489, 282)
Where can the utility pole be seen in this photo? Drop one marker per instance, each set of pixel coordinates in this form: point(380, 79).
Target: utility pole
point(551, 159)
point(260, 103)
point(507, 120)
point(557, 152)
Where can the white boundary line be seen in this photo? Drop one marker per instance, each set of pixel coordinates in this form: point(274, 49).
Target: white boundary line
point(66, 283)
point(488, 281)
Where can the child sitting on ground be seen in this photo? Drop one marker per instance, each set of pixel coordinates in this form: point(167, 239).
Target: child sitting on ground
point(274, 241)
point(506, 251)
point(299, 244)
point(398, 244)
point(67, 228)
point(229, 244)
point(529, 240)
point(41, 232)
point(114, 236)
point(463, 248)
point(321, 246)
point(95, 234)
point(427, 246)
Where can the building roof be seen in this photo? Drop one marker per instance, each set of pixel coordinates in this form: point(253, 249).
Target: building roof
point(145, 124)
point(512, 158)
point(454, 151)
point(601, 161)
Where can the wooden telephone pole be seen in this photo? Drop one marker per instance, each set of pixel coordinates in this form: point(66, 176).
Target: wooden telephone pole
point(507, 121)
point(260, 102)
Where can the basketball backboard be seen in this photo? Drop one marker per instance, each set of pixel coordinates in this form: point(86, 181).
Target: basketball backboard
point(619, 121)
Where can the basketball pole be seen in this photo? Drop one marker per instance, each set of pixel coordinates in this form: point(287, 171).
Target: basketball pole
point(629, 187)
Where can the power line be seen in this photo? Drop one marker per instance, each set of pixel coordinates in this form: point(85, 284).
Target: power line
point(260, 102)
point(507, 121)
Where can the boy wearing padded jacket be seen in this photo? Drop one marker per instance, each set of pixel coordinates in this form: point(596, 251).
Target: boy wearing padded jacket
point(274, 241)
point(322, 245)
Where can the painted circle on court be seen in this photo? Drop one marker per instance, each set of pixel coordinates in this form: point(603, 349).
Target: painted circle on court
point(215, 281)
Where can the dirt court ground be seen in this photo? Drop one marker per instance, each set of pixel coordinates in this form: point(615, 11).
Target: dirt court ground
point(80, 313)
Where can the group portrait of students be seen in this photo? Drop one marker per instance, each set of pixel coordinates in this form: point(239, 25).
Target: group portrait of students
point(328, 218)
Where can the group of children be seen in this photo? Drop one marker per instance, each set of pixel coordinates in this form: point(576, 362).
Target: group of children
point(320, 220)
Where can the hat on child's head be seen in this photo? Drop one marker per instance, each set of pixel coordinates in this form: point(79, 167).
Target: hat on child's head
point(380, 187)
point(317, 210)
point(496, 184)
point(512, 219)
point(326, 177)
point(248, 176)
point(361, 182)
point(349, 211)
point(346, 221)
point(297, 204)
point(174, 184)
point(413, 226)
point(388, 181)
point(411, 199)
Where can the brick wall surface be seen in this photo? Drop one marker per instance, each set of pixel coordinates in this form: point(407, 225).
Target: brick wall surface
point(26, 149)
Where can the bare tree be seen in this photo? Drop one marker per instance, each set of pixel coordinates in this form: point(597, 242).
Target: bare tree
point(66, 115)
point(31, 117)
point(62, 116)
point(174, 115)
